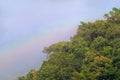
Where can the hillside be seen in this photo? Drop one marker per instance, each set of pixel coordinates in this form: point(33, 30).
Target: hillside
point(93, 53)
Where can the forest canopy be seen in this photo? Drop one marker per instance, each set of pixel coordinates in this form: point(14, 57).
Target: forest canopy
point(93, 53)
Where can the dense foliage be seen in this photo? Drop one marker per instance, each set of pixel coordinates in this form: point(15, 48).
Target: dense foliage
point(93, 53)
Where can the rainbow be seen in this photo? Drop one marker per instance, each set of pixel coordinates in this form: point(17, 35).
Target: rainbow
point(14, 51)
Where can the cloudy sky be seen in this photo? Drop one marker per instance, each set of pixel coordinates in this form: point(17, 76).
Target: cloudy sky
point(27, 26)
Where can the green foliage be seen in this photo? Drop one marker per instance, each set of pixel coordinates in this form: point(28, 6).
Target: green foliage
point(21, 78)
point(93, 53)
point(109, 74)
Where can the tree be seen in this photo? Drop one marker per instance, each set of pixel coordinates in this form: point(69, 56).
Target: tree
point(93, 53)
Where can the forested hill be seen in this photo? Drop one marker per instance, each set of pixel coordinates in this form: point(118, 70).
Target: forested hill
point(93, 53)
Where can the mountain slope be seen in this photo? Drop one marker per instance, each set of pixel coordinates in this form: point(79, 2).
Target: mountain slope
point(93, 53)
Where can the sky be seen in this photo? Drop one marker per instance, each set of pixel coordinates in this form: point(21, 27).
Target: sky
point(27, 26)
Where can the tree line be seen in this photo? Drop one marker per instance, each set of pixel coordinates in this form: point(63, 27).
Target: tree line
point(93, 53)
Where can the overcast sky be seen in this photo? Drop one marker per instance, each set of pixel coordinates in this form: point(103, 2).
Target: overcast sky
point(26, 26)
